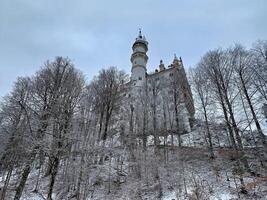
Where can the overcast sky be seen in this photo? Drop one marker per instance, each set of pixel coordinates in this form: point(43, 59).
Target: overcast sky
point(98, 34)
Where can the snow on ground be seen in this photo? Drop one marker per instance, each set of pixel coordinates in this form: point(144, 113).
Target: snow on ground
point(222, 196)
point(183, 173)
point(192, 165)
point(33, 196)
point(170, 196)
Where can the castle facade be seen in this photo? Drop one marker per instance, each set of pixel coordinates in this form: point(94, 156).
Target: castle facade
point(160, 101)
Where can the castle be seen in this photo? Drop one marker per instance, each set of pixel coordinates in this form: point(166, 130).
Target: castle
point(160, 101)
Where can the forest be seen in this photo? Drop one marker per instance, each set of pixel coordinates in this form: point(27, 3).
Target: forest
point(63, 137)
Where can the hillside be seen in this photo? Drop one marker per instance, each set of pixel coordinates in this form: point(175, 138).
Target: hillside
point(175, 173)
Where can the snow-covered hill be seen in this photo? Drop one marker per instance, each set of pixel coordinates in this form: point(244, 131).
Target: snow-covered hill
point(175, 173)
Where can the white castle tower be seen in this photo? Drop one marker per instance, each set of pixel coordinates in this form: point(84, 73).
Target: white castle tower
point(139, 60)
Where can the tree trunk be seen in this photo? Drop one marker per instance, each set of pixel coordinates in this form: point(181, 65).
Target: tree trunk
point(232, 138)
point(262, 136)
point(165, 133)
point(177, 119)
point(155, 130)
point(234, 125)
point(209, 134)
point(27, 168)
point(108, 114)
point(37, 180)
point(48, 168)
point(4, 189)
point(53, 178)
point(144, 130)
point(100, 125)
point(177, 125)
point(131, 136)
point(78, 192)
point(24, 177)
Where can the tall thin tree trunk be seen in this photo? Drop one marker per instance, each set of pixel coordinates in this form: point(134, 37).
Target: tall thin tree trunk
point(165, 132)
point(144, 129)
point(4, 189)
point(24, 177)
point(239, 141)
point(53, 178)
point(37, 180)
point(177, 122)
point(262, 136)
point(131, 137)
point(100, 124)
point(232, 138)
point(208, 132)
point(108, 115)
point(155, 129)
point(249, 125)
point(80, 178)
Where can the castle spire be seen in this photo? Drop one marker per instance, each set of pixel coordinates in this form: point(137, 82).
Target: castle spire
point(175, 57)
point(175, 60)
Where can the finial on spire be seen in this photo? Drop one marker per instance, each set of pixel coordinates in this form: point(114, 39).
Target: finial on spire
point(175, 57)
point(175, 60)
point(141, 38)
point(140, 33)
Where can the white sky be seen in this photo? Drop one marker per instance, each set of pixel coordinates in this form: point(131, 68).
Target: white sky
point(99, 34)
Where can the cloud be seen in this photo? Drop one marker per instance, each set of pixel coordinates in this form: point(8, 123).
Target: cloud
point(97, 34)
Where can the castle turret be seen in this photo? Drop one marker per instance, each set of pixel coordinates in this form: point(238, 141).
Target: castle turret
point(176, 62)
point(139, 60)
point(161, 66)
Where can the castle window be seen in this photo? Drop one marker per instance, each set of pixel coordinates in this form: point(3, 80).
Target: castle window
point(171, 74)
point(140, 78)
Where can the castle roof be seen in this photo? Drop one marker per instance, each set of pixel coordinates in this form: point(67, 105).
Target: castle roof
point(140, 39)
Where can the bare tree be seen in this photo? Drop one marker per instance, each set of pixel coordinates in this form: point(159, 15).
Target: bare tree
point(176, 88)
point(15, 125)
point(202, 86)
point(242, 63)
point(259, 56)
point(219, 70)
point(68, 82)
point(49, 98)
point(154, 89)
point(108, 86)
